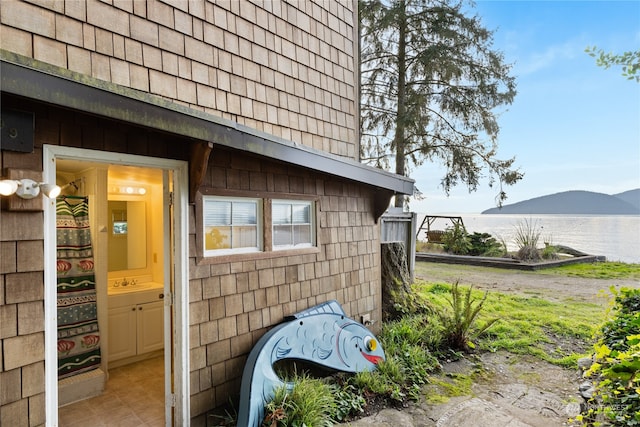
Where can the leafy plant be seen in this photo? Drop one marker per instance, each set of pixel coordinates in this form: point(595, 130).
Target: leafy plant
point(616, 331)
point(348, 400)
point(628, 301)
point(456, 240)
point(371, 382)
point(458, 323)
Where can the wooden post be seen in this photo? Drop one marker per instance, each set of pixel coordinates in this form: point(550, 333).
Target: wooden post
point(198, 162)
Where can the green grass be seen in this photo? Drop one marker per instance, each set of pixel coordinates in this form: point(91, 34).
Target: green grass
point(598, 270)
point(311, 402)
point(552, 331)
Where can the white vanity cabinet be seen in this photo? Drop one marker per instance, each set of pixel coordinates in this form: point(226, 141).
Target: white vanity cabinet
point(149, 327)
point(122, 339)
point(135, 323)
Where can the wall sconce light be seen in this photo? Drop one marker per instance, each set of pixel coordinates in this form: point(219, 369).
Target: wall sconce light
point(28, 188)
point(8, 187)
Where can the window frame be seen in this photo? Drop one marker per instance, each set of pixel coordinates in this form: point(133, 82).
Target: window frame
point(312, 224)
point(210, 258)
point(259, 203)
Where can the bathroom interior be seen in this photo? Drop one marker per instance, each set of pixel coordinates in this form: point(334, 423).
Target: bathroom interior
point(128, 244)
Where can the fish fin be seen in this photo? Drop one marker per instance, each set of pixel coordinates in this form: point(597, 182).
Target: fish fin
point(282, 352)
point(329, 307)
point(323, 354)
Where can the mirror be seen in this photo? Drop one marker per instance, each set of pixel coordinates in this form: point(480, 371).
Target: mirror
point(127, 235)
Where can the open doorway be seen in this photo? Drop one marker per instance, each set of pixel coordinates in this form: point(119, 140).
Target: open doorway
point(137, 214)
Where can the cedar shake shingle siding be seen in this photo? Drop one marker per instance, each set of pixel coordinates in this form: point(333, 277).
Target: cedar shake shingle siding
point(284, 68)
point(232, 303)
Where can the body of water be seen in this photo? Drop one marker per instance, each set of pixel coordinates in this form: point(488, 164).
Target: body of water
point(617, 237)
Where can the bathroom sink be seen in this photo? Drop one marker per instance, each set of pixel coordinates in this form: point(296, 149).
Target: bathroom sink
point(113, 290)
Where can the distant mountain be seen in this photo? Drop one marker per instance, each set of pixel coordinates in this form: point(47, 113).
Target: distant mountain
point(632, 197)
point(576, 202)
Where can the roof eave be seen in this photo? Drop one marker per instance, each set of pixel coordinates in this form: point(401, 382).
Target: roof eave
point(43, 82)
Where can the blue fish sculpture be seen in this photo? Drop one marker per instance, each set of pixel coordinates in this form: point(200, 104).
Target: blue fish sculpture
point(322, 335)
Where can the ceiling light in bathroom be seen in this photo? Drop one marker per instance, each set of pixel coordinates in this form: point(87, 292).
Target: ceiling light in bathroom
point(128, 189)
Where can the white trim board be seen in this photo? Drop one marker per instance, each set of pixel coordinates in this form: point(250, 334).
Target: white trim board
point(180, 256)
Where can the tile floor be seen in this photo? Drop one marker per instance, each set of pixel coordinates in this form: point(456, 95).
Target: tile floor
point(134, 396)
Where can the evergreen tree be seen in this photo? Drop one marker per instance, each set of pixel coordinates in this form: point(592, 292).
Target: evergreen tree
point(430, 82)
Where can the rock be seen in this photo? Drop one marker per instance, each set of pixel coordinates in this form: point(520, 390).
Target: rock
point(570, 251)
point(384, 418)
point(585, 363)
point(586, 390)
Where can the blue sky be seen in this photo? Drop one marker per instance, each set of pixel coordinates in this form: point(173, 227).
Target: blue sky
point(573, 125)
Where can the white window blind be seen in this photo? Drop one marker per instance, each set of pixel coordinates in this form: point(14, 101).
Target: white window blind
point(231, 225)
point(293, 224)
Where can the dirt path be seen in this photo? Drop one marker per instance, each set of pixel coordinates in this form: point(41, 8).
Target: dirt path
point(548, 286)
point(510, 390)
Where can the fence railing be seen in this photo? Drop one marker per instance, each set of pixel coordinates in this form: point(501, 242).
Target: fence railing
point(399, 226)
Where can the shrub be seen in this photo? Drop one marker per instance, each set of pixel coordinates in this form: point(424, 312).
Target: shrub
point(616, 370)
point(456, 240)
point(483, 244)
point(549, 252)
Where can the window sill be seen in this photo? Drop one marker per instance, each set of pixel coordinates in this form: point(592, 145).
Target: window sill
point(252, 256)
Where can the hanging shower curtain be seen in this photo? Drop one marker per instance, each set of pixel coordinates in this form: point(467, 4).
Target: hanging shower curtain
point(78, 336)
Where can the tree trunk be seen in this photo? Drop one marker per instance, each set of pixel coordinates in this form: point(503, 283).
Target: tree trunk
point(399, 137)
point(396, 284)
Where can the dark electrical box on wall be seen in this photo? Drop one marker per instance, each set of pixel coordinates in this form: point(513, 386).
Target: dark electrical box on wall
point(16, 131)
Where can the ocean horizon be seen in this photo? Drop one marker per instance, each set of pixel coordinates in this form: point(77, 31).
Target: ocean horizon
point(616, 237)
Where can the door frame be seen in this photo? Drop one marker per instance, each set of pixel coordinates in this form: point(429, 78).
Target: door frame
point(179, 252)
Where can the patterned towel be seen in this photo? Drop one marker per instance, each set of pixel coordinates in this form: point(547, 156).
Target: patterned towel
point(78, 335)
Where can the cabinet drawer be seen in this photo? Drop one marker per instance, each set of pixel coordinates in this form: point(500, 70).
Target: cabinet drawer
point(133, 298)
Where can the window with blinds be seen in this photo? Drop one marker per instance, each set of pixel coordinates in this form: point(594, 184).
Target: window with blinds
point(231, 225)
point(292, 224)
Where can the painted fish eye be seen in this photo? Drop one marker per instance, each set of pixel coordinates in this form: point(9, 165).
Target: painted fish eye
point(370, 343)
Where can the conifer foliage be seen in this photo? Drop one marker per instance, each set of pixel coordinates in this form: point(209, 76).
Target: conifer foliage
point(430, 86)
